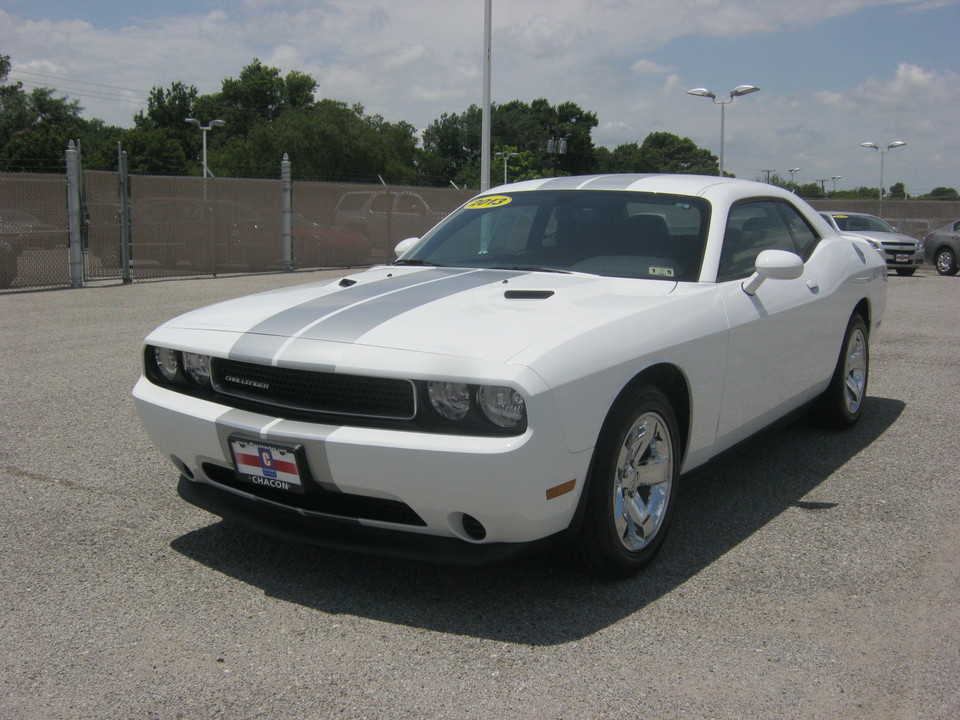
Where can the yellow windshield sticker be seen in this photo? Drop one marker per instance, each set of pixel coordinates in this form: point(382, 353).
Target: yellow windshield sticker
point(481, 203)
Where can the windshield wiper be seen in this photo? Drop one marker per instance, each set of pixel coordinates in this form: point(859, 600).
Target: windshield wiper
point(414, 261)
point(530, 268)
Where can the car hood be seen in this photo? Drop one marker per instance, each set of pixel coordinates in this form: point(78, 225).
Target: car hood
point(883, 238)
point(486, 315)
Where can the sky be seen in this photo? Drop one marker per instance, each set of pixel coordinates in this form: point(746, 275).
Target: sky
point(832, 73)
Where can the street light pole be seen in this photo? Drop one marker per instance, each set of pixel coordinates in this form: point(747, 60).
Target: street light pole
point(874, 146)
point(203, 129)
point(485, 119)
point(835, 178)
point(736, 92)
point(506, 156)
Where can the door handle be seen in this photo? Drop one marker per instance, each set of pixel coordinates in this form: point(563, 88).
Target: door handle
point(814, 286)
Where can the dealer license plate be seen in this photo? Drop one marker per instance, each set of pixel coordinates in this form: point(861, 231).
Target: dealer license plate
point(903, 258)
point(268, 464)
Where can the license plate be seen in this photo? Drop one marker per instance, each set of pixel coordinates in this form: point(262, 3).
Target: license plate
point(268, 464)
point(903, 258)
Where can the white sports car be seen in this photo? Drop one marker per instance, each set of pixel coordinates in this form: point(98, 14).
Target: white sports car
point(541, 367)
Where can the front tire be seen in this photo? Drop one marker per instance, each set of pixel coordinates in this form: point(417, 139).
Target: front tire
point(945, 261)
point(841, 404)
point(632, 486)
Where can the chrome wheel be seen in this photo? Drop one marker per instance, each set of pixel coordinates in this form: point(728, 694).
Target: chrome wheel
point(855, 371)
point(632, 487)
point(842, 402)
point(946, 262)
point(642, 482)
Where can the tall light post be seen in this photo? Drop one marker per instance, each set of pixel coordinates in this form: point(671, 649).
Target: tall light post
point(835, 178)
point(506, 156)
point(203, 129)
point(736, 92)
point(793, 172)
point(874, 146)
point(485, 118)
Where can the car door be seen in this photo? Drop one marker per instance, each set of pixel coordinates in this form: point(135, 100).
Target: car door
point(777, 337)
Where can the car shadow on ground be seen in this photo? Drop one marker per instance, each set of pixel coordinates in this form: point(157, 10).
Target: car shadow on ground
point(542, 600)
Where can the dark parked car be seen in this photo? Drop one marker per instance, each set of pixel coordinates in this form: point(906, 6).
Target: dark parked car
point(941, 247)
point(20, 231)
point(204, 235)
point(386, 216)
point(317, 245)
point(902, 252)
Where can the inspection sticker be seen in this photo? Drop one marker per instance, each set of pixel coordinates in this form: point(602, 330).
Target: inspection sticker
point(490, 201)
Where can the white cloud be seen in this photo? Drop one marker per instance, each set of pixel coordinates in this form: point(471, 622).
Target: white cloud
point(543, 36)
point(648, 67)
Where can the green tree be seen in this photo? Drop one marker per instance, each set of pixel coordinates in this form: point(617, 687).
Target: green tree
point(36, 126)
point(942, 193)
point(661, 152)
point(326, 140)
point(451, 144)
point(898, 191)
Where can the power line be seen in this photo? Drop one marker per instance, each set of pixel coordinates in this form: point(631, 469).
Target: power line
point(81, 82)
point(84, 93)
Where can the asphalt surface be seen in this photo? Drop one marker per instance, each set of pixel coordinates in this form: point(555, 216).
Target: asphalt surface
point(811, 575)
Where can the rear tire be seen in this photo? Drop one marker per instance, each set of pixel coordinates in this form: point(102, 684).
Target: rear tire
point(841, 404)
point(945, 261)
point(8, 266)
point(632, 487)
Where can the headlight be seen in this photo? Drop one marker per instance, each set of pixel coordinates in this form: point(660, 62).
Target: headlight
point(197, 367)
point(450, 400)
point(503, 406)
point(177, 368)
point(168, 362)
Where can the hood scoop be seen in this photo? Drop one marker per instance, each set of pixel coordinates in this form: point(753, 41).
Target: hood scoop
point(528, 294)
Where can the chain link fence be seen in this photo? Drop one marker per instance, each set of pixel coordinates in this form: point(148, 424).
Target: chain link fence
point(34, 239)
point(189, 226)
point(146, 227)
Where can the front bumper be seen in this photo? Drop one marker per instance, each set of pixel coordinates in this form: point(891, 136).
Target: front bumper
point(898, 259)
point(343, 534)
point(451, 485)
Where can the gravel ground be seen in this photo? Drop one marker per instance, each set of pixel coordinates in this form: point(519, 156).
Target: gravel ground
point(811, 575)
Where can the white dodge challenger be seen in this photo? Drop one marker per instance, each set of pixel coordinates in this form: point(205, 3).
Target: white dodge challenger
point(539, 368)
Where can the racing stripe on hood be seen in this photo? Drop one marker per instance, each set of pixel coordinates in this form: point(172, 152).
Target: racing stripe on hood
point(355, 322)
point(351, 312)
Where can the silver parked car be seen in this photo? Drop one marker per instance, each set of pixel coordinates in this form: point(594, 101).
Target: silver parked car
point(942, 246)
point(902, 252)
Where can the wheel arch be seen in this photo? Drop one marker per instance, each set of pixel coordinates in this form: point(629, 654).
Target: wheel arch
point(672, 382)
point(863, 309)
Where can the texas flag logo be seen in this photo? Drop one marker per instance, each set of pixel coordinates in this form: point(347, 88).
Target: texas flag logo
point(270, 466)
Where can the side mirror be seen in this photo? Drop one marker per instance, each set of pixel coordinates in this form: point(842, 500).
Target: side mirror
point(775, 264)
point(405, 245)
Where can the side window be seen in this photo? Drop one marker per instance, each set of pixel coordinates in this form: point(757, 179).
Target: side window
point(804, 237)
point(752, 227)
point(409, 203)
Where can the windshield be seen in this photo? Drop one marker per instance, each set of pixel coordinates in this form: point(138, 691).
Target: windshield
point(617, 234)
point(862, 223)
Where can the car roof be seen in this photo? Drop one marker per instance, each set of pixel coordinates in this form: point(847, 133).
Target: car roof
point(835, 213)
point(708, 186)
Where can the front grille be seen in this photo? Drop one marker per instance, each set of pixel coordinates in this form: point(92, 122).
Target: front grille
point(323, 392)
point(355, 507)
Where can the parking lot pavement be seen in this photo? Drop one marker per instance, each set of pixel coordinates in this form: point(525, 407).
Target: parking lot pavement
point(811, 575)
